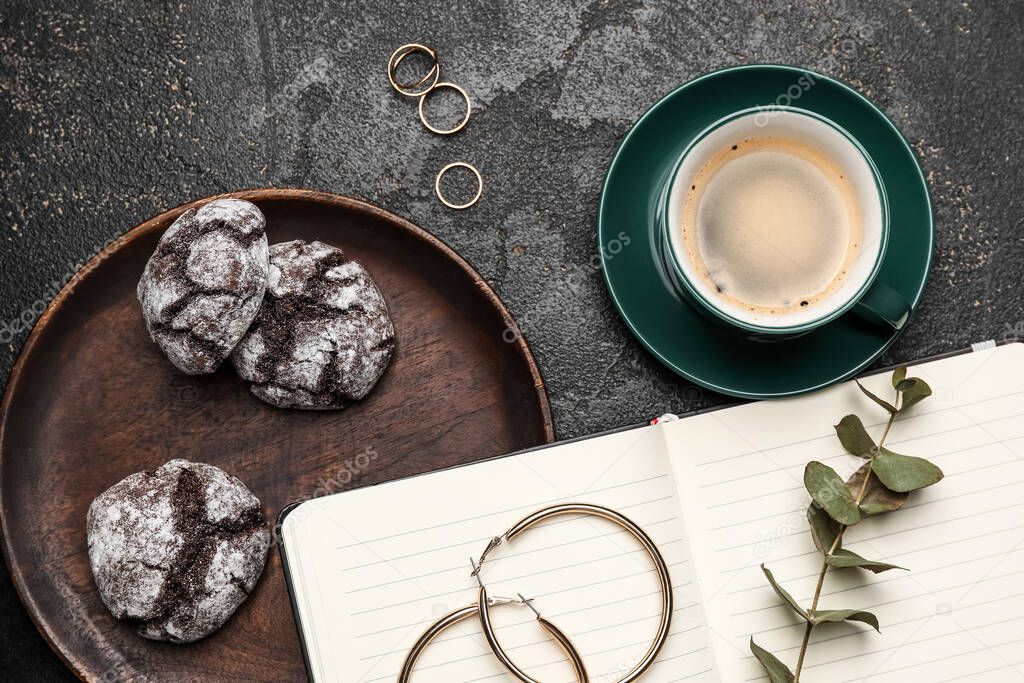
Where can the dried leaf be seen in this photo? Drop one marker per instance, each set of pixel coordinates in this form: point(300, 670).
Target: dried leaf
point(914, 391)
point(824, 529)
point(841, 559)
point(781, 592)
point(854, 437)
point(821, 616)
point(904, 472)
point(880, 401)
point(898, 375)
point(877, 499)
point(829, 491)
point(777, 671)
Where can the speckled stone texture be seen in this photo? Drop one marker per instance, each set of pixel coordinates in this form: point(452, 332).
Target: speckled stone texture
point(112, 113)
point(177, 550)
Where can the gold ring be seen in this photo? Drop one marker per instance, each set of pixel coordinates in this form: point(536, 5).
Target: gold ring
point(433, 72)
point(461, 124)
point(411, 89)
point(479, 185)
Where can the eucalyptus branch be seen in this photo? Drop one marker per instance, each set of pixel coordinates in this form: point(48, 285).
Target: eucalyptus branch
point(835, 545)
point(881, 485)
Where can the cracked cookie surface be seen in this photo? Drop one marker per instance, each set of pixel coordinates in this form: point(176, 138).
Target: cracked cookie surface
point(203, 285)
point(177, 550)
point(323, 335)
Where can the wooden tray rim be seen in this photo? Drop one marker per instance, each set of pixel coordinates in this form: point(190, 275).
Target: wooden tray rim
point(73, 662)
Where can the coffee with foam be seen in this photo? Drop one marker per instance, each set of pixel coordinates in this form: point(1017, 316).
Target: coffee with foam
point(772, 224)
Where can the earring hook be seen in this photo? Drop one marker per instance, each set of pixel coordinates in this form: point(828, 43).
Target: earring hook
point(476, 571)
point(491, 545)
point(498, 600)
point(529, 603)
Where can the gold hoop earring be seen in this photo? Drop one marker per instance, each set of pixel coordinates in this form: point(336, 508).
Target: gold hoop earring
point(604, 513)
point(469, 611)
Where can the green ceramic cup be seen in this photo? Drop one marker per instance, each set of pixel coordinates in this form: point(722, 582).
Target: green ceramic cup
point(860, 292)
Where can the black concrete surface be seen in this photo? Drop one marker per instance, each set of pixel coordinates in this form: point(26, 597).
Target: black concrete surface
point(114, 111)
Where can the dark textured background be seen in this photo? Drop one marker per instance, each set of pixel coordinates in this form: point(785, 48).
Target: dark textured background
point(115, 111)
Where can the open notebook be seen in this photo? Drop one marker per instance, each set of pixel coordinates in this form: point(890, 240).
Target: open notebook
point(720, 493)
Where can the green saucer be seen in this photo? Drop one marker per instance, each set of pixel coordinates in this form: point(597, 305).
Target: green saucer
point(714, 356)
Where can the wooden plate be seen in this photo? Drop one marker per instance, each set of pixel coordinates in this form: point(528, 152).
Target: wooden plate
point(91, 400)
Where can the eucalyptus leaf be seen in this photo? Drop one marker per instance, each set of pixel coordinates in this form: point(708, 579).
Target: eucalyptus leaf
point(841, 559)
point(898, 375)
point(829, 491)
point(781, 592)
point(824, 529)
point(854, 437)
point(777, 671)
point(877, 498)
point(914, 391)
point(824, 615)
point(880, 401)
point(904, 472)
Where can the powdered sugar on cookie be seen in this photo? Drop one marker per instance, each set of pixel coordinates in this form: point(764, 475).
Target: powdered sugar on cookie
point(323, 336)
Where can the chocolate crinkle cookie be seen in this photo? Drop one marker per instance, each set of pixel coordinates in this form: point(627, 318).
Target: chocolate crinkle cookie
point(176, 551)
point(204, 283)
point(323, 336)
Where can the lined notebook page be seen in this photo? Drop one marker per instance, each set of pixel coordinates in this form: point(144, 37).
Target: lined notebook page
point(372, 568)
point(958, 615)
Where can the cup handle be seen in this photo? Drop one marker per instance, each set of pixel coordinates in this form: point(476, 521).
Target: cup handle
point(883, 306)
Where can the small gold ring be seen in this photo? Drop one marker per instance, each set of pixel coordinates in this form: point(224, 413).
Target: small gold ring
point(433, 73)
point(412, 89)
point(479, 185)
point(461, 124)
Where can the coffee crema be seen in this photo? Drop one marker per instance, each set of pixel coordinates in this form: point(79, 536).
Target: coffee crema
point(771, 224)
